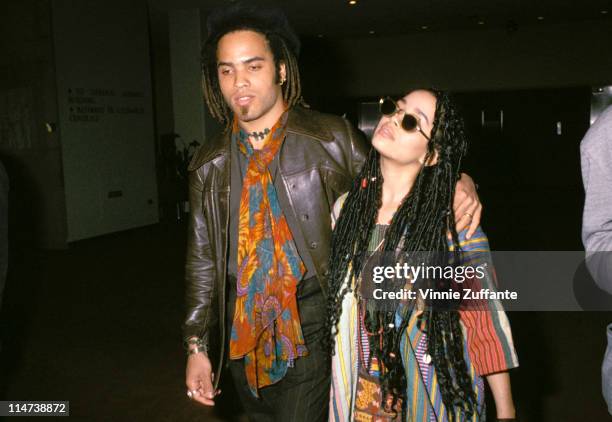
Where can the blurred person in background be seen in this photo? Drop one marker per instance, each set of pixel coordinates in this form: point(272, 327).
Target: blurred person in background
point(596, 163)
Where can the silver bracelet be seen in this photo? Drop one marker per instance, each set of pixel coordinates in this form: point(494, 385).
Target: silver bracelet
point(193, 341)
point(201, 348)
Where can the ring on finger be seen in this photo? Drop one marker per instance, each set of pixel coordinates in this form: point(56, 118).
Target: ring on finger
point(469, 215)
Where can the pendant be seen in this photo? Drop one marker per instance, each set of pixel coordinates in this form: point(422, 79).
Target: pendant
point(427, 358)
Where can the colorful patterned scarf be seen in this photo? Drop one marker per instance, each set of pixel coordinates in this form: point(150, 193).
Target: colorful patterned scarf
point(266, 330)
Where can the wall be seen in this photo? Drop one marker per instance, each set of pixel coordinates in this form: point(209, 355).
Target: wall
point(184, 34)
point(484, 59)
point(105, 112)
point(31, 154)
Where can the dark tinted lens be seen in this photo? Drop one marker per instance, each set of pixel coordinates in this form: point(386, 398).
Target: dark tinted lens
point(409, 122)
point(387, 107)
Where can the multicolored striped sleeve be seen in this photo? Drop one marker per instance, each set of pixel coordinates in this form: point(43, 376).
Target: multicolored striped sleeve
point(487, 329)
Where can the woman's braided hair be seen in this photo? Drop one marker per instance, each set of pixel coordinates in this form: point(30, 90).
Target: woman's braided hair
point(426, 215)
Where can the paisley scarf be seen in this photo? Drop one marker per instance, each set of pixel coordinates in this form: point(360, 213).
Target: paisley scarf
point(266, 329)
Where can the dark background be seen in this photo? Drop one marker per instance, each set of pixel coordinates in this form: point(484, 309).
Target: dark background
point(97, 321)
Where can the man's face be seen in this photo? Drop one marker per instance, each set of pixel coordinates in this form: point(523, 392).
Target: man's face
point(247, 77)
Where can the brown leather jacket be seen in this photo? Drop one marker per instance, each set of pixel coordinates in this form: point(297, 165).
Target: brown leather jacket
point(318, 160)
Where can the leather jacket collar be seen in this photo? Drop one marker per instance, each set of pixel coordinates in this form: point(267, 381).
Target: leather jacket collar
point(299, 122)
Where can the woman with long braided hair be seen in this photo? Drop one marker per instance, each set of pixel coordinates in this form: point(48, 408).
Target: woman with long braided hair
point(413, 361)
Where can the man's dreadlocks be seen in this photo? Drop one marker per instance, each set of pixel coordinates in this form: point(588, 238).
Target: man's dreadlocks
point(282, 40)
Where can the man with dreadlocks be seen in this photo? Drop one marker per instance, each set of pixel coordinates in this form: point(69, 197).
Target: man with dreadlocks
point(261, 194)
point(412, 363)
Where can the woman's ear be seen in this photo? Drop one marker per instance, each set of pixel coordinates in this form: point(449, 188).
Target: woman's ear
point(430, 158)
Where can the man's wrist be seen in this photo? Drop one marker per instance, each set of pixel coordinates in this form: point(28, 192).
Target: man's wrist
point(197, 349)
point(195, 345)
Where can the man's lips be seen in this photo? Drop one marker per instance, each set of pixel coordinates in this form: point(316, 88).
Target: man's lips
point(243, 100)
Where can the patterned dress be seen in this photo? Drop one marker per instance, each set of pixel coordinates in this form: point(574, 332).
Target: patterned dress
point(488, 349)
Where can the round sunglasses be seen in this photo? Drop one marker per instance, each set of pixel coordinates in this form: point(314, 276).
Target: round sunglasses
point(409, 123)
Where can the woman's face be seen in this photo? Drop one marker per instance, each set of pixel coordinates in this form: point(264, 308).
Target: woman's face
point(406, 147)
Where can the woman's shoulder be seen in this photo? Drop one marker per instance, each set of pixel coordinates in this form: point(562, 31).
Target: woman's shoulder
point(338, 207)
point(340, 201)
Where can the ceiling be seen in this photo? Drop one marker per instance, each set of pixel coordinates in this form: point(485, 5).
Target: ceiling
point(367, 18)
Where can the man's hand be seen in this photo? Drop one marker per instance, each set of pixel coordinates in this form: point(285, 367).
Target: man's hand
point(466, 205)
point(502, 394)
point(199, 379)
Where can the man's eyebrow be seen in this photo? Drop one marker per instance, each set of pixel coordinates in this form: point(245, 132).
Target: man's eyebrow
point(253, 59)
point(246, 61)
